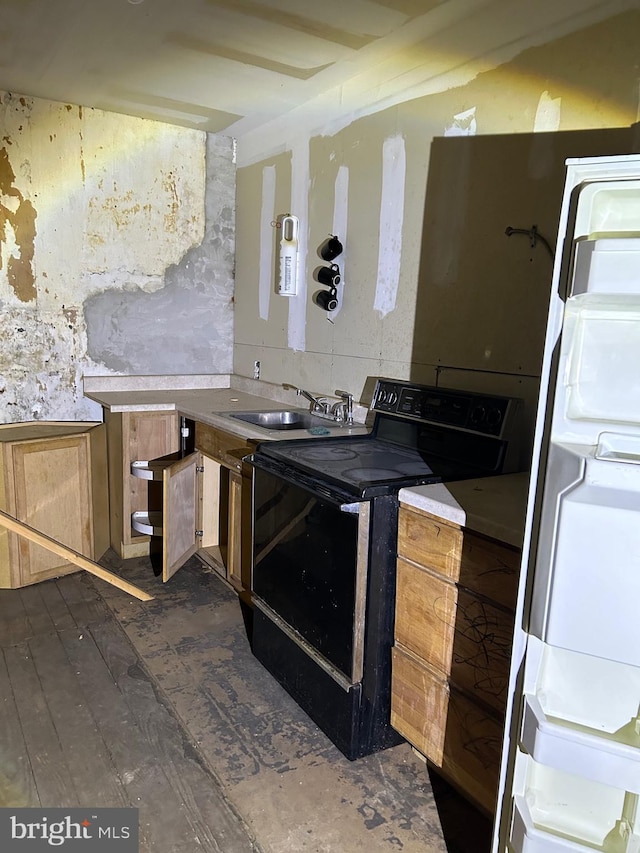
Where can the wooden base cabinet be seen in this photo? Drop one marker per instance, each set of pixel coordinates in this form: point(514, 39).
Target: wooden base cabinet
point(456, 733)
point(199, 504)
point(455, 601)
point(53, 477)
point(226, 520)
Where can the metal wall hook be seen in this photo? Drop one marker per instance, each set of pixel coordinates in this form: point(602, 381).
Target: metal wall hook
point(533, 234)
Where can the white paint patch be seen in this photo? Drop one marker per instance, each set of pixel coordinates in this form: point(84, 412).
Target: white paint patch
point(297, 328)
point(267, 216)
point(548, 114)
point(340, 217)
point(391, 218)
point(464, 124)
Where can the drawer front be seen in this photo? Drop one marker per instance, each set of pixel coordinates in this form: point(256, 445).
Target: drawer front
point(425, 615)
point(461, 738)
point(419, 703)
point(429, 542)
point(482, 649)
point(223, 446)
point(490, 568)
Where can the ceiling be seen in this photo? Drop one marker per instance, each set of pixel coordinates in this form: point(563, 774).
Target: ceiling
point(233, 66)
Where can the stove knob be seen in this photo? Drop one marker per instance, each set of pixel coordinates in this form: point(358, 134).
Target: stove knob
point(494, 417)
point(478, 414)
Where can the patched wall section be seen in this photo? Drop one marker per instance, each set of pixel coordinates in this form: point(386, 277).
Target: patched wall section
point(421, 193)
point(116, 253)
point(185, 326)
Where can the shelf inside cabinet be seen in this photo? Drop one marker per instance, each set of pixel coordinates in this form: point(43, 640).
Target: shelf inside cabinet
point(148, 523)
point(146, 471)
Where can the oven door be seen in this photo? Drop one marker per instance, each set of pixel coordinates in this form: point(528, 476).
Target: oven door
point(310, 557)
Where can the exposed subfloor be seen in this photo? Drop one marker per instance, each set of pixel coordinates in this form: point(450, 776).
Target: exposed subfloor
point(105, 701)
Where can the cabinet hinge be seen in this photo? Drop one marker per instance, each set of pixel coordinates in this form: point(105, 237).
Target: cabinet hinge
point(199, 533)
point(200, 469)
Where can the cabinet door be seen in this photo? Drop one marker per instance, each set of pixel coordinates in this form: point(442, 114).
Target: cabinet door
point(180, 510)
point(52, 493)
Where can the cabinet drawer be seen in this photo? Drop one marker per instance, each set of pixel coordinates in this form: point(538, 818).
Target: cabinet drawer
point(429, 542)
point(461, 738)
point(223, 446)
point(482, 649)
point(425, 614)
point(419, 702)
point(490, 568)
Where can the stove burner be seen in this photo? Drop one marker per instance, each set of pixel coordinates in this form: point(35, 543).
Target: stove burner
point(327, 454)
point(371, 473)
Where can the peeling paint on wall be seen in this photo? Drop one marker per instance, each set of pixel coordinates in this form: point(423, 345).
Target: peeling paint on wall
point(391, 219)
point(464, 124)
point(17, 220)
point(123, 224)
point(267, 216)
point(548, 113)
point(186, 324)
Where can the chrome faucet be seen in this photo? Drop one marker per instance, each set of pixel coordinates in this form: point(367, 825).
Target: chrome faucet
point(343, 411)
point(319, 405)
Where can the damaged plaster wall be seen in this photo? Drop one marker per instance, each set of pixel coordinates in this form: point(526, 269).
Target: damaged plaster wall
point(116, 253)
point(431, 331)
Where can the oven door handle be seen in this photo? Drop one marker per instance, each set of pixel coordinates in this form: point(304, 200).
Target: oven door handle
point(352, 508)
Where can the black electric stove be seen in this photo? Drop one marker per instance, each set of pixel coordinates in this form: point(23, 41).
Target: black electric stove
point(325, 518)
point(420, 435)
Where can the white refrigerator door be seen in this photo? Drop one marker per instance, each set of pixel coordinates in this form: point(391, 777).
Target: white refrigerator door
point(570, 774)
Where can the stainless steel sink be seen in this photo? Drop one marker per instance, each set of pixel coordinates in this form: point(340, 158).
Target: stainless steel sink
point(283, 420)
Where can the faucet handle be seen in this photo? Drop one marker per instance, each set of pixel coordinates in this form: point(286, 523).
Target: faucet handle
point(347, 405)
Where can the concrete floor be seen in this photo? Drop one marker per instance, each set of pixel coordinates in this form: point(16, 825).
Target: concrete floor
point(292, 788)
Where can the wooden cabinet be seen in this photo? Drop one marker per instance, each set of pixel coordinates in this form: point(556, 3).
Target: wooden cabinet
point(226, 518)
point(53, 477)
point(134, 436)
point(455, 601)
point(180, 505)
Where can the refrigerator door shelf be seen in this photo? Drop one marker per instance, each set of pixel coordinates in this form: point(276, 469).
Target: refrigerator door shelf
point(582, 691)
point(608, 265)
point(595, 585)
point(617, 447)
point(576, 749)
point(527, 837)
point(609, 207)
point(599, 357)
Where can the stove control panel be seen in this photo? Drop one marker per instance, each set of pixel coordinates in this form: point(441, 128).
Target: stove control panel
point(479, 413)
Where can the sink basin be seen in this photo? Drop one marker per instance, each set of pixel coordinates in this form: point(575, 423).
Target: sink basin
point(283, 420)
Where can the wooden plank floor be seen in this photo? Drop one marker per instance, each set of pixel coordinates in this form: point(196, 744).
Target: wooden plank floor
point(83, 724)
point(107, 700)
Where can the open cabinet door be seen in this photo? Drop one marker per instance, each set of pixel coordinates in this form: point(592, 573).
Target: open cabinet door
point(180, 506)
point(570, 776)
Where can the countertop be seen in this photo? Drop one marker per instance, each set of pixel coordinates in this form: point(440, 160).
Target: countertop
point(206, 399)
point(494, 506)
